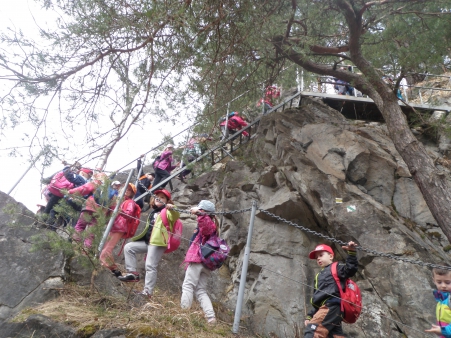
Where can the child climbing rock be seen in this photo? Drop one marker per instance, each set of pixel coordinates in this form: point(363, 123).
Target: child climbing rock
point(197, 274)
point(324, 320)
point(125, 223)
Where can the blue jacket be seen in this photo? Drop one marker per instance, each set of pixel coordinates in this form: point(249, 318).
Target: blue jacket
point(76, 179)
point(443, 312)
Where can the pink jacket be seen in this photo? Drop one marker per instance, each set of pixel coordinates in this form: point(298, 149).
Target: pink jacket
point(206, 228)
point(235, 123)
point(58, 183)
point(166, 161)
point(87, 189)
point(127, 211)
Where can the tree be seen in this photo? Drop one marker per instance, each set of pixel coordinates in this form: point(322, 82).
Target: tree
point(219, 49)
point(405, 32)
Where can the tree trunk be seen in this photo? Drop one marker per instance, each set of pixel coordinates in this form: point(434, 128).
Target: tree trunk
point(432, 183)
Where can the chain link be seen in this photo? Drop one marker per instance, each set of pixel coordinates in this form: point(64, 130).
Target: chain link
point(358, 247)
point(187, 211)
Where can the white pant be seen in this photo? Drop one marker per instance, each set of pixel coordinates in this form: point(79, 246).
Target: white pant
point(154, 255)
point(196, 278)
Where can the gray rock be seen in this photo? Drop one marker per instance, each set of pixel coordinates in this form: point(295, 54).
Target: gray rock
point(409, 202)
point(32, 276)
point(37, 326)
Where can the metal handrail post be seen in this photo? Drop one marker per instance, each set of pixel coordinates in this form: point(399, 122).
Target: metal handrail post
point(247, 251)
point(115, 212)
point(140, 171)
point(23, 175)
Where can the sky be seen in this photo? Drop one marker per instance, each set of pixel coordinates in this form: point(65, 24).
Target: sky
point(26, 15)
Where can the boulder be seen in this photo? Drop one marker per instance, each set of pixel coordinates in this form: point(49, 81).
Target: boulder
point(30, 277)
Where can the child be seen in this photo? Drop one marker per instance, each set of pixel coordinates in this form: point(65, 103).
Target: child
point(197, 275)
point(152, 240)
point(129, 212)
point(324, 320)
point(164, 167)
point(442, 280)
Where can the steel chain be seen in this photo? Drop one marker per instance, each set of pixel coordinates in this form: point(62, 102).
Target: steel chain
point(315, 233)
point(232, 212)
point(358, 247)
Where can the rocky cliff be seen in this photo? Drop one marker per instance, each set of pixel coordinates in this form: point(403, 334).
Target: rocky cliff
point(300, 163)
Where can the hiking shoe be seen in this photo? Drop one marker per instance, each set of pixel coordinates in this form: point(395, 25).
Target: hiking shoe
point(143, 294)
point(116, 273)
point(129, 278)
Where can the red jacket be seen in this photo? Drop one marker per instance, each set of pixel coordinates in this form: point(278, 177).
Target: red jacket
point(235, 123)
point(127, 214)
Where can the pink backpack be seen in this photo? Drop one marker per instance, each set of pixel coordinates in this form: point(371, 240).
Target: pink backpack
point(176, 234)
point(58, 183)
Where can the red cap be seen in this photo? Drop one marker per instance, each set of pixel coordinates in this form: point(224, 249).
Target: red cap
point(321, 247)
point(164, 192)
point(86, 170)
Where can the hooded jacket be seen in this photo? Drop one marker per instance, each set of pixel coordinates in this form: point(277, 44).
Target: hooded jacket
point(166, 161)
point(207, 227)
point(326, 289)
point(443, 312)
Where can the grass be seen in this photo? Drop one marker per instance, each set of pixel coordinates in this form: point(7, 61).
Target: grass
point(162, 317)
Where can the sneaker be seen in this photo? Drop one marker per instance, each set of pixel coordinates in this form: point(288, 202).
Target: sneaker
point(116, 273)
point(129, 277)
point(211, 321)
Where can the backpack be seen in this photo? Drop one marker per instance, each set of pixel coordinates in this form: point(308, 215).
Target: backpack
point(351, 298)
point(214, 252)
point(133, 224)
point(103, 195)
point(175, 235)
point(156, 162)
point(222, 119)
point(58, 183)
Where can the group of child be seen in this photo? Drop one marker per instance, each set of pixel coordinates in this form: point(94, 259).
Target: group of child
point(326, 316)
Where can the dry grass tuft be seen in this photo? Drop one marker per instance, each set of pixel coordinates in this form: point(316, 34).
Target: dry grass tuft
point(89, 312)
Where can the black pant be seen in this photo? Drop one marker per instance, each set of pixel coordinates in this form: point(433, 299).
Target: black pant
point(160, 175)
point(51, 203)
point(326, 323)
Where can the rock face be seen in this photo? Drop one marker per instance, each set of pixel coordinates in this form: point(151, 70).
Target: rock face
point(314, 168)
point(28, 278)
point(300, 163)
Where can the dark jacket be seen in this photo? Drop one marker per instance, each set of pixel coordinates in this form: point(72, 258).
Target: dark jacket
point(325, 285)
point(74, 178)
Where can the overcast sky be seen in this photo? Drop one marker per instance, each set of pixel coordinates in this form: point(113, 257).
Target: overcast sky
point(25, 15)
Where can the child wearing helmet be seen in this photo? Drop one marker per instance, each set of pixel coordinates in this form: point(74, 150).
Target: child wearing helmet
point(129, 215)
point(152, 240)
point(324, 320)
